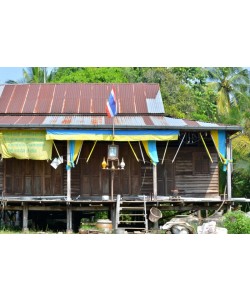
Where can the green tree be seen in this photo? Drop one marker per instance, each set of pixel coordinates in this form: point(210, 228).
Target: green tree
point(177, 96)
point(35, 75)
point(231, 87)
point(204, 97)
point(90, 75)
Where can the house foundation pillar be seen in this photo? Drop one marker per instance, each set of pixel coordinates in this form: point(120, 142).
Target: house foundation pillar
point(25, 217)
point(154, 182)
point(69, 219)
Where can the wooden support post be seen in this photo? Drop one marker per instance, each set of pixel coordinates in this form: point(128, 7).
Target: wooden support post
point(199, 216)
point(156, 225)
point(113, 214)
point(112, 184)
point(17, 221)
point(68, 174)
point(229, 169)
point(25, 217)
point(155, 182)
point(117, 211)
point(69, 219)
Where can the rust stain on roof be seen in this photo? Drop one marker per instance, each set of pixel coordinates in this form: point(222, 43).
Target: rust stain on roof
point(77, 98)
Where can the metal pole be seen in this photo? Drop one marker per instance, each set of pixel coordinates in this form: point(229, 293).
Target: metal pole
point(44, 75)
point(229, 169)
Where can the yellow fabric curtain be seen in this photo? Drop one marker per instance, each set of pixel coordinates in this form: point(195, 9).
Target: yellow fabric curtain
point(25, 144)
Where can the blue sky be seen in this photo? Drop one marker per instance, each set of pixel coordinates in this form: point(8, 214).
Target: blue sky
point(12, 73)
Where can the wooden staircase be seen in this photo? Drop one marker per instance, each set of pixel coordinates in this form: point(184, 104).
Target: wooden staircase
point(131, 215)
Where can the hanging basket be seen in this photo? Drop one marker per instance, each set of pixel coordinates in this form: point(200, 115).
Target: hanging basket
point(155, 214)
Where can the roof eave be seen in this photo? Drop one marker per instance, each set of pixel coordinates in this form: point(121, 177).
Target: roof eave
point(64, 126)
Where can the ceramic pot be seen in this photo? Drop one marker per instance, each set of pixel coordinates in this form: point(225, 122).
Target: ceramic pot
point(104, 225)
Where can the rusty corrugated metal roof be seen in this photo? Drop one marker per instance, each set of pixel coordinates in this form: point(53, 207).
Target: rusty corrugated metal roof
point(79, 98)
point(79, 105)
point(66, 121)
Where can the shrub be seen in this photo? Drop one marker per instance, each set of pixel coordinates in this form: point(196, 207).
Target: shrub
point(236, 222)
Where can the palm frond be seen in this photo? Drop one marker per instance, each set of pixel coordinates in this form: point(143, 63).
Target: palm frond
point(223, 102)
point(241, 144)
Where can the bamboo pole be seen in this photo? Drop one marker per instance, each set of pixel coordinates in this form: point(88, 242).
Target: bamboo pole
point(179, 147)
point(133, 151)
point(206, 148)
point(141, 153)
point(164, 153)
point(91, 151)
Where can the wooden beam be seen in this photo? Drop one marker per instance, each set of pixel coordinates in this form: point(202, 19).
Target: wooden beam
point(186, 208)
point(58, 208)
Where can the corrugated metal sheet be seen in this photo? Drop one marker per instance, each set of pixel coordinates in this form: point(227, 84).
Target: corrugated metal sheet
point(205, 124)
point(130, 121)
point(80, 98)
point(155, 105)
point(71, 105)
point(1, 89)
point(175, 122)
point(101, 121)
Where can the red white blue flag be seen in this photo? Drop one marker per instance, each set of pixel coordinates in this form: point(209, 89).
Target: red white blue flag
point(111, 105)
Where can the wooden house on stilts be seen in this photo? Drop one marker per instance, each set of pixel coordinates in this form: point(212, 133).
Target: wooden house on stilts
point(56, 142)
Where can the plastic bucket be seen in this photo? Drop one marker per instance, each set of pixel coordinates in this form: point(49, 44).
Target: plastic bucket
point(155, 214)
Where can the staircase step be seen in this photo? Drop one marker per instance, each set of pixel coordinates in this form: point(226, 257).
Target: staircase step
point(143, 222)
point(132, 228)
point(132, 207)
point(135, 215)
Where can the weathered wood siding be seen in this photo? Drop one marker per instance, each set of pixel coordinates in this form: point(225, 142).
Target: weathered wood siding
point(89, 179)
point(192, 173)
point(32, 177)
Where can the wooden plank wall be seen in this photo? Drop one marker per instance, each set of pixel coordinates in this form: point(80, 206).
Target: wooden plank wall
point(193, 184)
point(88, 179)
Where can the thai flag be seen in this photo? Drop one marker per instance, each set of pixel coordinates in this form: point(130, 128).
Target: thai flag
point(111, 105)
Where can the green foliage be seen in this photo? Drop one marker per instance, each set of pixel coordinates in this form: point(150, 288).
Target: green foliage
point(101, 215)
point(231, 85)
point(241, 182)
point(91, 75)
point(167, 215)
point(34, 75)
point(236, 222)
